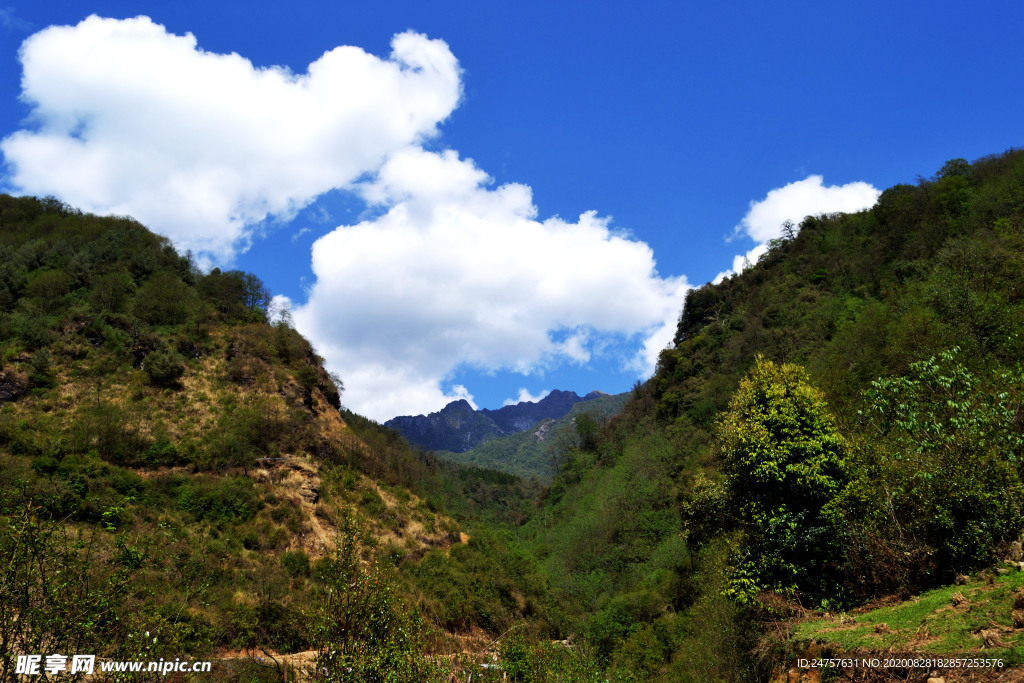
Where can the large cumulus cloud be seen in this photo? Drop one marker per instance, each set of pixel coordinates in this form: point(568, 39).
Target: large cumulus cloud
point(457, 272)
point(445, 272)
point(130, 119)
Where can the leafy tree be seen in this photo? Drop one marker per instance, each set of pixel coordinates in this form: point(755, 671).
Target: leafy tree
point(586, 430)
point(236, 294)
point(786, 466)
point(48, 287)
point(109, 292)
point(42, 375)
point(950, 451)
point(955, 168)
point(164, 300)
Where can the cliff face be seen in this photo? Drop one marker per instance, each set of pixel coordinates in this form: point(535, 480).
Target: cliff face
point(458, 428)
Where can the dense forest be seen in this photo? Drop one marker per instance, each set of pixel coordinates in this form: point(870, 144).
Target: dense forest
point(838, 426)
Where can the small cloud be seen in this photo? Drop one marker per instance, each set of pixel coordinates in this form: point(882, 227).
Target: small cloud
point(797, 200)
point(299, 233)
point(322, 215)
point(793, 202)
point(12, 22)
point(525, 397)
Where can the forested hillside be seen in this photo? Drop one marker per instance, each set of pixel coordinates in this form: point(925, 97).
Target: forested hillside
point(459, 428)
point(184, 459)
point(841, 421)
point(537, 452)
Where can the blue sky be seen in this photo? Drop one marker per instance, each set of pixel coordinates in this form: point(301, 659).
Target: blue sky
point(507, 199)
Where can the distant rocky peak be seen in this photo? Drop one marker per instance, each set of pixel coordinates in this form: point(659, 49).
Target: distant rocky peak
point(458, 428)
point(461, 405)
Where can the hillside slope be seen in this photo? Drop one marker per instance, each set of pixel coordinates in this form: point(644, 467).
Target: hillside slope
point(165, 443)
point(841, 423)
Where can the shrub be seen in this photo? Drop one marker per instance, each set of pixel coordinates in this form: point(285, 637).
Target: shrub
point(48, 577)
point(950, 452)
point(164, 367)
point(296, 563)
point(230, 500)
point(363, 632)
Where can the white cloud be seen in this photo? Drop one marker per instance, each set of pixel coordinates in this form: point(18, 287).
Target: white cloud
point(455, 272)
point(525, 397)
point(130, 119)
point(794, 202)
point(203, 147)
point(797, 200)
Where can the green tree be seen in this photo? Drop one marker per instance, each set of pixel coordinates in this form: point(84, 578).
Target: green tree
point(42, 374)
point(949, 450)
point(164, 300)
point(786, 467)
point(236, 294)
point(109, 292)
point(955, 168)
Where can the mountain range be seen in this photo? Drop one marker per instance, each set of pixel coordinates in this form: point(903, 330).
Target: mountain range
point(539, 451)
point(458, 427)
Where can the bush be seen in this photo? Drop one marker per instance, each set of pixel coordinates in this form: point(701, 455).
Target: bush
point(49, 577)
point(231, 500)
point(164, 367)
point(950, 452)
point(295, 563)
point(363, 632)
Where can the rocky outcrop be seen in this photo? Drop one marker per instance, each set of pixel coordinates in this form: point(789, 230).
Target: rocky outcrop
point(12, 385)
point(522, 416)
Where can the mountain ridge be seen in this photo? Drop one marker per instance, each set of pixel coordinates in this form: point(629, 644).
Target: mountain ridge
point(458, 428)
point(538, 451)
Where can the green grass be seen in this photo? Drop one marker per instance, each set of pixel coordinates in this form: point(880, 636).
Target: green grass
point(930, 622)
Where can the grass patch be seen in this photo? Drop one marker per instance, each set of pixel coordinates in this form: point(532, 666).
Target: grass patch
point(933, 622)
